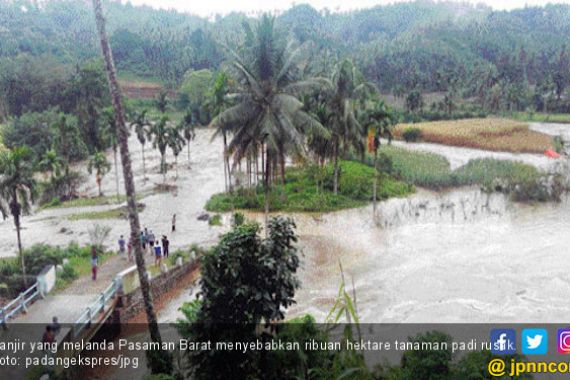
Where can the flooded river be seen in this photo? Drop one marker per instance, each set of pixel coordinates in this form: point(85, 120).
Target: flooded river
point(455, 256)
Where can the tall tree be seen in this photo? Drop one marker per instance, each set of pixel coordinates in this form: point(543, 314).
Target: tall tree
point(98, 163)
point(186, 125)
point(176, 144)
point(234, 304)
point(379, 125)
point(17, 190)
point(267, 111)
point(218, 103)
point(123, 137)
point(141, 124)
point(51, 162)
point(158, 133)
point(349, 88)
point(161, 101)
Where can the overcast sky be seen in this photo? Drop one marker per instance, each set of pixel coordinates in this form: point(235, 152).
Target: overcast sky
point(210, 7)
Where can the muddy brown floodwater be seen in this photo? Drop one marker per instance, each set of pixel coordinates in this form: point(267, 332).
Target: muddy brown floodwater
point(454, 256)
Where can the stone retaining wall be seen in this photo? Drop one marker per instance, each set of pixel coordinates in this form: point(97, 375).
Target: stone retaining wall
point(131, 304)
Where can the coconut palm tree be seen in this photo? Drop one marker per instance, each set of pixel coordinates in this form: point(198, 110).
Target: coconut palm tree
point(267, 112)
point(141, 124)
point(379, 124)
point(348, 89)
point(98, 163)
point(123, 137)
point(162, 101)
point(217, 103)
point(158, 134)
point(51, 162)
point(17, 190)
point(176, 143)
point(186, 126)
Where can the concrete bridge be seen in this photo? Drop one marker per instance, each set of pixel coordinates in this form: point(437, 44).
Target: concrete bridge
point(115, 306)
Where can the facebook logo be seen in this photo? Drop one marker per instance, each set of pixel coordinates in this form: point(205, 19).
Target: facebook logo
point(503, 341)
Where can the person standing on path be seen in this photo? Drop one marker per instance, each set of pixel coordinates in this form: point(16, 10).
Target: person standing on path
point(165, 246)
point(94, 259)
point(122, 244)
point(157, 254)
point(173, 222)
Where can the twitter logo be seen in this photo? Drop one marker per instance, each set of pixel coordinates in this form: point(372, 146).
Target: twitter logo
point(534, 341)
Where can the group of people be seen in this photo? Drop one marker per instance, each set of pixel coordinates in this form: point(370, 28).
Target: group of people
point(158, 247)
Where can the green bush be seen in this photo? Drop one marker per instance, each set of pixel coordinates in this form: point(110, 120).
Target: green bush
point(310, 189)
point(68, 273)
point(558, 144)
point(412, 134)
point(37, 257)
point(215, 220)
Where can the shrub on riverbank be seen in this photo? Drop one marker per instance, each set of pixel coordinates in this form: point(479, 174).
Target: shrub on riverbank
point(40, 255)
point(310, 189)
point(524, 182)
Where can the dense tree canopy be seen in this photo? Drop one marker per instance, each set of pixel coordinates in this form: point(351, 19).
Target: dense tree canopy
point(471, 51)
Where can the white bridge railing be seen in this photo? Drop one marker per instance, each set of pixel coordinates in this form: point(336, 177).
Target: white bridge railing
point(98, 306)
point(19, 304)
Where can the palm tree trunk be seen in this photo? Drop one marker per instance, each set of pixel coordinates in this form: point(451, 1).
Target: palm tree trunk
point(117, 175)
point(335, 173)
point(98, 179)
point(163, 167)
point(225, 173)
point(122, 137)
point(144, 168)
point(20, 251)
point(176, 165)
point(282, 163)
point(266, 190)
point(227, 163)
point(375, 189)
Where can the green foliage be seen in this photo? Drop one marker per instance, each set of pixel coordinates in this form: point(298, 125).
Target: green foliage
point(39, 256)
point(238, 219)
point(306, 191)
point(193, 95)
point(215, 220)
point(245, 281)
point(99, 164)
point(18, 188)
point(558, 144)
point(523, 182)
point(425, 364)
point(160, 363)
point(61, 188)
point(414, 101)
point(412, 134)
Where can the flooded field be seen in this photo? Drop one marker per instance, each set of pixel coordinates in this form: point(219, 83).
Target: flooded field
point(459, 255)
point(456, 256)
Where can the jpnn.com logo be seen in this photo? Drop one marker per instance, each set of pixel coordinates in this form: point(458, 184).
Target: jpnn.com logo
point(504, 341)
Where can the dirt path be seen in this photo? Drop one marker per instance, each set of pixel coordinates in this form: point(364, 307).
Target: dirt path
point(105, 275)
